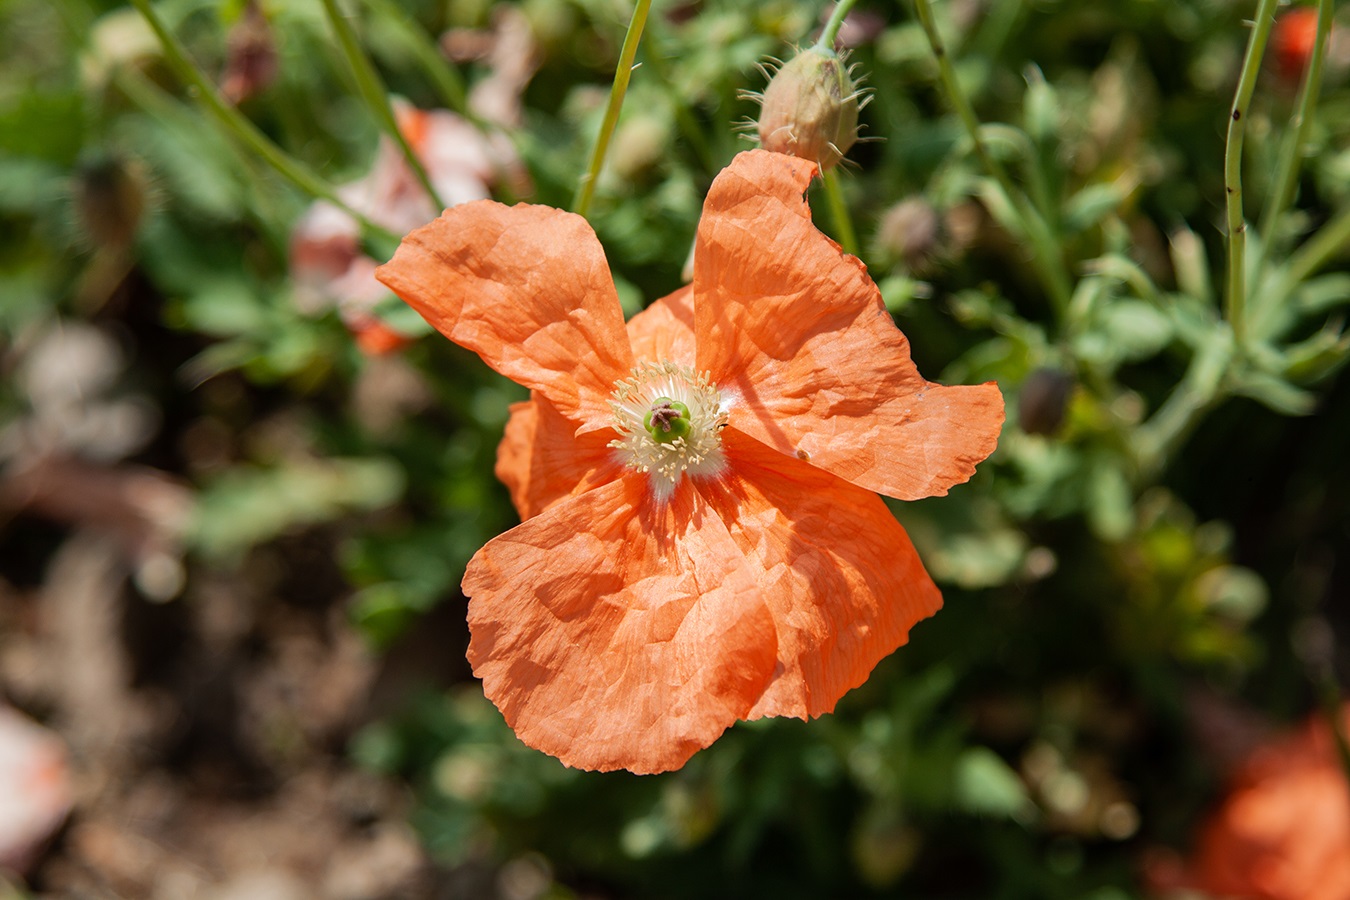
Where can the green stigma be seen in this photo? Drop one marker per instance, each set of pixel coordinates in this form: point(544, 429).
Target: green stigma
point(667, 421)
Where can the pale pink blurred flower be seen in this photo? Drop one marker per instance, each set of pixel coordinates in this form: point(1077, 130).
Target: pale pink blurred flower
point(327, 263)
point(35, 789)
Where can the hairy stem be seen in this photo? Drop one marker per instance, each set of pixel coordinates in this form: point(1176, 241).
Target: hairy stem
point(831, 31)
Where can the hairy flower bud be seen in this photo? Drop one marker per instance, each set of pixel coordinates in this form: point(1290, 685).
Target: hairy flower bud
point(110, 199)
point(810, 109)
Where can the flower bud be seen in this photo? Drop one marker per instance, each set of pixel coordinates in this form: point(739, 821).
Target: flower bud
point(1043, 401)
point(810, 109)
point(252, 62)
point(910, 234)
point(110, 199)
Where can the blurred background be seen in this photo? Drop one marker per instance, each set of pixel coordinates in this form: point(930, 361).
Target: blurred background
point(239, 481)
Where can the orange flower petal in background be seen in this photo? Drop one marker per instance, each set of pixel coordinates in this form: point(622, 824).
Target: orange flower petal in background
point(797, 330)
point(665, 582)
point(1283, 831)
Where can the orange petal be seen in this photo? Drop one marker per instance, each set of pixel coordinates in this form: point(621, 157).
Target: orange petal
point(540, 461)
point(664, 331)
point(839, 573)
point(615, 632)
point(527, 288)
point(797, 331)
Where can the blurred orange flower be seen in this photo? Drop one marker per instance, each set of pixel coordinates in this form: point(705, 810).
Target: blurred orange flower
point(703, 541)
point(1283, 831)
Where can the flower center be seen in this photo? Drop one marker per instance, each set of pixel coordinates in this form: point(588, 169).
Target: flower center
point(669, 421)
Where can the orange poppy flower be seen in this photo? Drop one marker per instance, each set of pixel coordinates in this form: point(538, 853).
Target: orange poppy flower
point(1283, 831)
point(702, 538)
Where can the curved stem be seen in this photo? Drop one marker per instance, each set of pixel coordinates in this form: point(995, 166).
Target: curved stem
point(443, 76)
point(245, 131)
point(376, 96)
point(831, 31)
point(1235, 292)
point(1287, 167)
point(834, 195)
point(586, 189)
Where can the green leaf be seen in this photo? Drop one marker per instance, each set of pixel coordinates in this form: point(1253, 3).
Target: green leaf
point(247, 505)
point(986, 785)
point(1275, 393)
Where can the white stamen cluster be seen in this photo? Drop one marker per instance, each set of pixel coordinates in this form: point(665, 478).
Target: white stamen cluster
point(699, 452)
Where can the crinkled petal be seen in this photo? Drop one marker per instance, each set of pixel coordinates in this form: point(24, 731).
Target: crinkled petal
point(540, 461)
point(527, 288)
point(616, 632)
point(796, 330)
point(664, 331)
point(840, 575)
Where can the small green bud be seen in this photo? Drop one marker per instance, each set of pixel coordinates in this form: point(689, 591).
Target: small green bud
point(810, 109)
point(667, 420)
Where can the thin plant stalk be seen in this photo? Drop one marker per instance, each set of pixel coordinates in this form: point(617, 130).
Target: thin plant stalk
point(376, 96)
point(1046, 257)
point(1286, 177)
point(1235, 292)
point(444, 77)
point(245, 131)
point(1327, 242)
point(581, 204)
point(834, 195)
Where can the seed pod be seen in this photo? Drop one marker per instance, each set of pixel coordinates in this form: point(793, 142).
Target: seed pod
point(810, 109)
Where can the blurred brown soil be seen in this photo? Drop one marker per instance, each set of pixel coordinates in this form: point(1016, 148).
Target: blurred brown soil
point(206, 733)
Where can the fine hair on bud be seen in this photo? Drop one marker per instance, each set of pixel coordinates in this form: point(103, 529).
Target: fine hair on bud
point(810, 108)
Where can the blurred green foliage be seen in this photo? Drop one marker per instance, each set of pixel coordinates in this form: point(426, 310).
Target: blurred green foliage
point(1153, 524)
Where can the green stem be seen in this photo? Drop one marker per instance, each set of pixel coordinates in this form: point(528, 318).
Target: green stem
point(1329, 240)
point(1198, 391)
point(831, 31)
point(443, 76)
point(376, 96)
point(245, 131)
point(1235, 293)
point(1047, 258)
point(834, 195)
point(586, 189)
point(1286, 177)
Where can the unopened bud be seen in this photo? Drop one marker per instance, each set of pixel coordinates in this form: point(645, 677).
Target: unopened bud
point(810, 109)
point(910, 234)
point(1043, 400)
point(251, 64)
point(110, 200)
